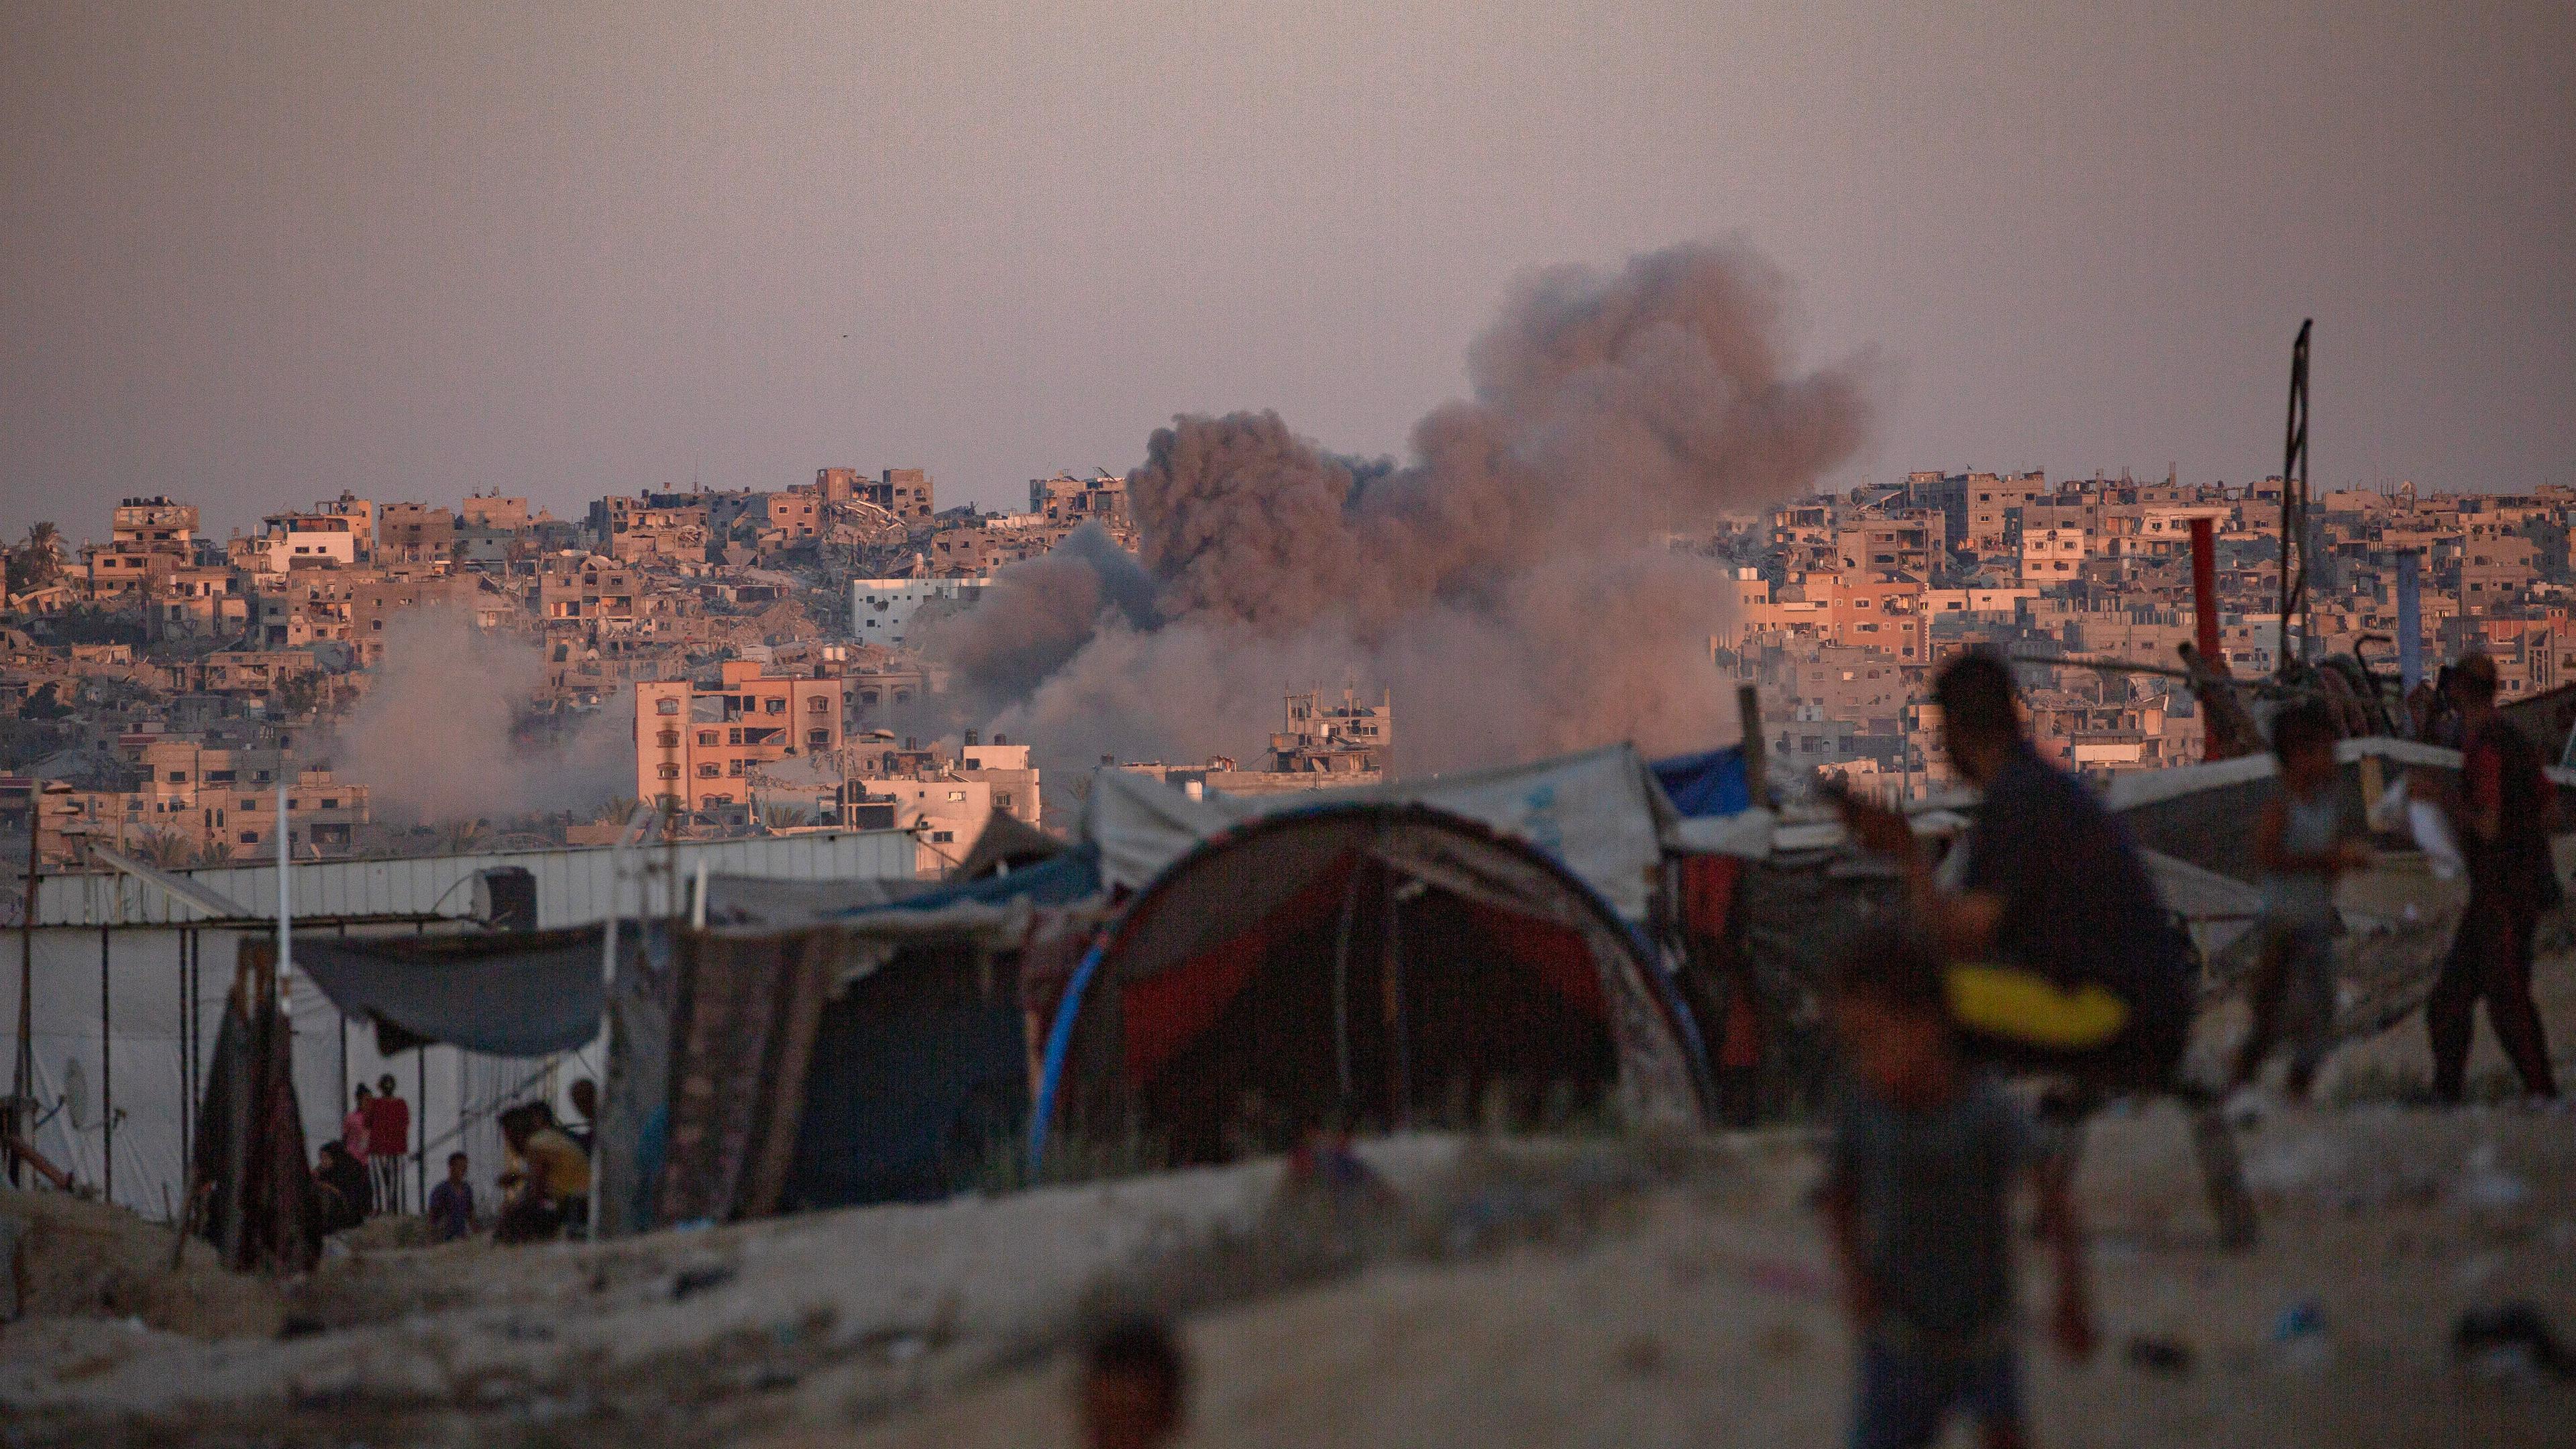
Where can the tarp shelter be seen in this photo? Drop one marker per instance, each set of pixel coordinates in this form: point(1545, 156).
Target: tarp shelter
point(250, 1192)
point(1711, 783)
point(1371, 961)
point(503, 993)
point(1599, 814)
point(828, 1045)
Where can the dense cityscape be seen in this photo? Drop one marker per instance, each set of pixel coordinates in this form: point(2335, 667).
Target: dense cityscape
point(752, 658)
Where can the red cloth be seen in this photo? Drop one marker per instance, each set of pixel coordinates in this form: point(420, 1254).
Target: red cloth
point(388, 1126)
point(1556, 953)
point(1708, 892)
point(353, 1132)
point(1166, 1011)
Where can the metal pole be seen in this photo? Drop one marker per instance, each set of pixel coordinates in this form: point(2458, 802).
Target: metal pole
point(25, 1075)
point(285, 883)
point(106, 1077)
point(183, 1064)
point(420, 1122)
point(2410, 619)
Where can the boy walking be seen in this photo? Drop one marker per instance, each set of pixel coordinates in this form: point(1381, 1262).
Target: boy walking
point(1925, 1158)
point(2302, 842)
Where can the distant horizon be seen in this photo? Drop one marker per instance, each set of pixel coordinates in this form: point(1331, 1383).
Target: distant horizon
point(14, 528)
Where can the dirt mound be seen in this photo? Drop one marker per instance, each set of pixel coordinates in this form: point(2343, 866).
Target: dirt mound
point(84, 1259)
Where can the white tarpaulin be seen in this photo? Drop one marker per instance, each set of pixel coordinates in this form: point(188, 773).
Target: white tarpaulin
point(1599, 813)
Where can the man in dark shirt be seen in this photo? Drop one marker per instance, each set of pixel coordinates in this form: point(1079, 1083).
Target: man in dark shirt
point(2064, 958)
point(2504, 811)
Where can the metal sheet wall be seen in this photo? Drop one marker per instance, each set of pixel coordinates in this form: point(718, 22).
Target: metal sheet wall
point(572, 883)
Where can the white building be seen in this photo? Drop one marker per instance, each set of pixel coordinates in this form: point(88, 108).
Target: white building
point(882, 610)
point(292, 540)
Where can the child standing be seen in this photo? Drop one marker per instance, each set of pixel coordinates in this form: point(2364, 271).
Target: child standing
point(1925, 1158)
point(2302, 842)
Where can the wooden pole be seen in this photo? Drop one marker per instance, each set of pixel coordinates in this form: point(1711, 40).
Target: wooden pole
point(1748, 708)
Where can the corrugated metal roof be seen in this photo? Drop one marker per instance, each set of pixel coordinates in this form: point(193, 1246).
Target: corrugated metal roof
point(572, 883)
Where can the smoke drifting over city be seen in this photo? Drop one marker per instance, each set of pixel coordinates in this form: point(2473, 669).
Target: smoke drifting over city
point(1505, 583)
point(442, 734)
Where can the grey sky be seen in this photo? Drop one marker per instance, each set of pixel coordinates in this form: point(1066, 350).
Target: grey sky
point(256, 255)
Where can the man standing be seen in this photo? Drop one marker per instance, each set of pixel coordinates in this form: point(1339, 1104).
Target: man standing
point(388, 1133)
point(2504, 808)
point(2062, 959)
point(2062, 956)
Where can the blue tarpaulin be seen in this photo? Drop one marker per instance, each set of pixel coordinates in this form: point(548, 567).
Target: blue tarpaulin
point(1710, 783)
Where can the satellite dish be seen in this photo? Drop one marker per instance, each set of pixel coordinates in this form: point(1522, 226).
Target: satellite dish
point(76, 1094)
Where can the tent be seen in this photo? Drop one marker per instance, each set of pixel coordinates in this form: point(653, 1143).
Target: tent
point(1367, 960)
point(827, 1044)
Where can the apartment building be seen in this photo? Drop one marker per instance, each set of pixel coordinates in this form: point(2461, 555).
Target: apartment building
point(694, 745)
point(149, 539)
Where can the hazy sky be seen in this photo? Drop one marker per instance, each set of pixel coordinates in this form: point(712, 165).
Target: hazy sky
point(253, 256)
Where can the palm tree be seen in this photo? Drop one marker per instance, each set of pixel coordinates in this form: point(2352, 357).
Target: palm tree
point(166, 849)
point(216, 851)
point(780, 817)
point(616, 811)
point(44, 550)
point(463, 837)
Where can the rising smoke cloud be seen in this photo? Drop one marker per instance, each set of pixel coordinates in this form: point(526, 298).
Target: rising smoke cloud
point(1503, 583)
point(438, 736)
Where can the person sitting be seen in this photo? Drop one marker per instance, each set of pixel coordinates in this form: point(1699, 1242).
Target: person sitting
point(344, 1187)
point(549, 1184)
point(585, 1100)
point(451, 1203)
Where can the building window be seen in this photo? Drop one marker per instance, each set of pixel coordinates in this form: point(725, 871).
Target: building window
point(942, 837)
point(818, 738)
point(668, 739)
point(669, 772)
point(777, 704)
point(666, 705)
point(707, 771)
point(818, 705)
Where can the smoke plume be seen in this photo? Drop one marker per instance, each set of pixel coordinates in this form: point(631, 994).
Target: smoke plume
point(1503, 584)
point(442, 733)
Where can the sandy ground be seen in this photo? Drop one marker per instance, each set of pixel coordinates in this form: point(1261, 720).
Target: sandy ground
point(1526, 1293)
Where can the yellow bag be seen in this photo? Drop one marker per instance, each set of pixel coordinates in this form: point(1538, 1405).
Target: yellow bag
point(2000, 1001)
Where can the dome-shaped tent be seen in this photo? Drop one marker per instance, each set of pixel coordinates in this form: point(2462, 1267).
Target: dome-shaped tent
point(1374, 962)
